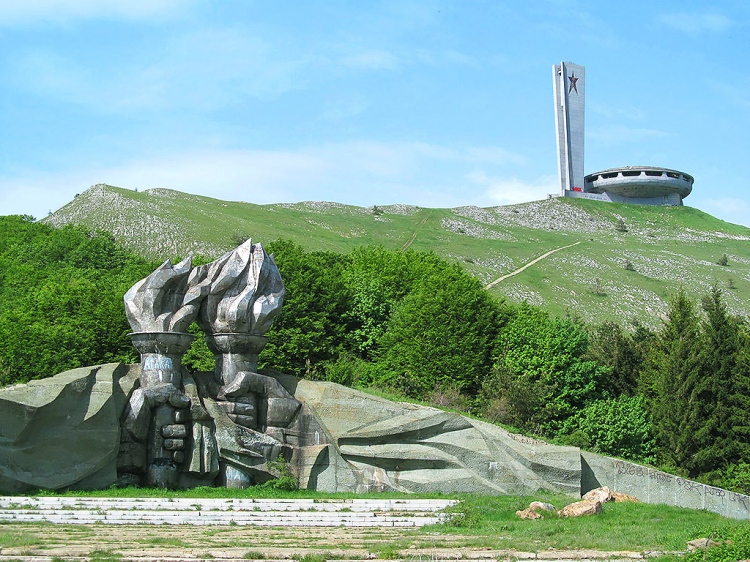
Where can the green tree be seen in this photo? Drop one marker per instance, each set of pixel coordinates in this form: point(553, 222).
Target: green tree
point(61, 299)
point(377, 279)
point(312, 325)
point(718, 417)
point(622, 352)
point(668, 382)
point(441, 334)
point(541, 373)
point(620, 427)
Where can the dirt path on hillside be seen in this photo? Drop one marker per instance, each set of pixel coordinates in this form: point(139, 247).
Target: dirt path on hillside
point(532, 262)
point(414, 235)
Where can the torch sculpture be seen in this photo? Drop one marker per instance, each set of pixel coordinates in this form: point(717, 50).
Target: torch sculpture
point(245, 296)
point(240, 307)
point(159, 309)
point(234, 299)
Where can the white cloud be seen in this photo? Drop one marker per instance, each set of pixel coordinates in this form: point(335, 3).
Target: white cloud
point(495, 155)
point(729, 205)
point(581, 27)
point(34, 11)
point(730, 209)
point(734, 93)
point(509, 191)
point(345, 108)
point(384, 59)
point(696, 23)
point(234, 62)
point(445, 58)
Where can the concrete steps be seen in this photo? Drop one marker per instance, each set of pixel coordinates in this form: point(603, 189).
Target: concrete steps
point(219, 511)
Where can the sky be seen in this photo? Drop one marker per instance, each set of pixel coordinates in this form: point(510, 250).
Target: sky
point(436, 103)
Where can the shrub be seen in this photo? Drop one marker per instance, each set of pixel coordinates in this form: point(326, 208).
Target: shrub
point(345, 369)
point(463, 515)
point(736, 477)
point(598, 288)
point(541, 370)
point(286, 481)
point(449, 396)
point(620, 427)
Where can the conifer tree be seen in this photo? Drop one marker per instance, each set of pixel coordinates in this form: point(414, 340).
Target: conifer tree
point(622, 352)
point(672, 370)
point(717, 411)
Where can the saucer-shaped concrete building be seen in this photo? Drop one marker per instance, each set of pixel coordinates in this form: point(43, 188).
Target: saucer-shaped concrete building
point(640, 184)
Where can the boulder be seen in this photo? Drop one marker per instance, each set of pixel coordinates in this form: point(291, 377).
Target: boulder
point(542, 506)
point(618, 497)
point(533, 511)
point(701, 543)
point(528, 513)
point(583, 507)
point(602, 495)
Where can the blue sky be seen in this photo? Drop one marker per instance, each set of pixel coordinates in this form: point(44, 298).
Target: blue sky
point(438, 103)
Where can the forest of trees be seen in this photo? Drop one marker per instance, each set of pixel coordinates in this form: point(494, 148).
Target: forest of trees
point(416, 325)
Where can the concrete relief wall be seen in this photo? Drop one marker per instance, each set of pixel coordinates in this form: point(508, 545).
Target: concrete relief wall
point(654, 486)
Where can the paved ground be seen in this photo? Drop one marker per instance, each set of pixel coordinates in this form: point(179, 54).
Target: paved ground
point(193, 530)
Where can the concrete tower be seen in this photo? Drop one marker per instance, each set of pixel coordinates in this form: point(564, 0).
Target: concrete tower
point(570, 95)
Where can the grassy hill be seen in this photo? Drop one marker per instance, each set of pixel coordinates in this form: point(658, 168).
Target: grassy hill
point(608, 261)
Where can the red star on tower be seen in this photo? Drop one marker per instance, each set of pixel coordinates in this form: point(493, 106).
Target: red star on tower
point(573, 83)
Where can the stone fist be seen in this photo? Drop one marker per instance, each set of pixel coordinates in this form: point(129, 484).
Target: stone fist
point(137, 418)
point(256, 401)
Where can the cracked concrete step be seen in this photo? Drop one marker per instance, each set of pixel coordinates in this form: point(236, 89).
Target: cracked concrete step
point(249, 504)
point(216, 518)
point(213, 511)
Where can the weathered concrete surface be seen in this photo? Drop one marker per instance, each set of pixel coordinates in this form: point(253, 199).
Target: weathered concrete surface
point(654, 486)
point(63, 431)
point(377, 444)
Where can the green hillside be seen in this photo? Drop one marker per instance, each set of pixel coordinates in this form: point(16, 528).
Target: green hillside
point(613, 261)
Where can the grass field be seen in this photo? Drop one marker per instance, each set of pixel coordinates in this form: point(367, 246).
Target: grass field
point(665, 247)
